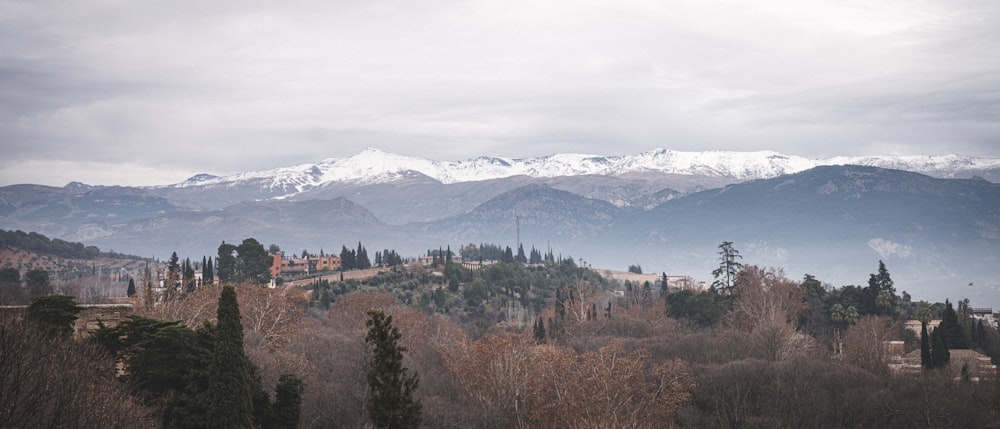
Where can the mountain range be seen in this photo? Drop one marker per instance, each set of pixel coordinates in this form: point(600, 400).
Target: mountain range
point(935, 221)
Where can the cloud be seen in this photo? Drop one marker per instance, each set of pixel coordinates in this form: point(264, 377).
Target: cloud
point(220, 88)
point(886, 248)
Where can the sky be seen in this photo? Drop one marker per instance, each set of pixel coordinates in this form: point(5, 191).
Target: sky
point(111, 92)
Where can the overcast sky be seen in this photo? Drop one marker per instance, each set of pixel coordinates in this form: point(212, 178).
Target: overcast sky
point(147, 92)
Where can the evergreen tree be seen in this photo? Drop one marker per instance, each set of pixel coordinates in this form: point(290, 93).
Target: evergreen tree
point(535, 256)
point(940, 356)
point(253, 263)
point(208, 273)
point(508, 256)
point(347, 258)
point(225, 263)
point(880, 295)
point(729, 266)
point(520, 254)
point(925, 347)
point(287, 403)
point(131, 288)
point(539, 331)
point(189, 281)
point(390, 402)
point(173, 275)
point(230, 384)
point(54, 313)
point(951, 328)
point(38, 282)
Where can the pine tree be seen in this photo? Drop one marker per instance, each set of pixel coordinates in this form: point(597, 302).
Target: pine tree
point(725, 275)
point(390, 402)
point(131, 288)
point(230, 384)
point(880, 294)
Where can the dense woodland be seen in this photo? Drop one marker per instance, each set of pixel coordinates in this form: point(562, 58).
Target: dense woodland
point(532, 340)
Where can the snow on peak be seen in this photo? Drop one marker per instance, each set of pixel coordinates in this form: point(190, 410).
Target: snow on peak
point(376, 166)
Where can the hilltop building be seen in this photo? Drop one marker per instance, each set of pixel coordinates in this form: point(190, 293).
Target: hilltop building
point(281, 266)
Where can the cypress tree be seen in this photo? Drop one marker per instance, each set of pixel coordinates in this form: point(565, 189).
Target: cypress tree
point(940, 356)
point(390, 402)
point(287, 402)
point(539, 331)
point(951, 329)
point(131, 288)
point(925, 346)
point(230, 384)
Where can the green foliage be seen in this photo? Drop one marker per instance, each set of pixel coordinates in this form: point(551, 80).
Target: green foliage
point(880, 295)
point(230, 383)
point(729, 266)
point(38, 282)
point(54, 313)
point(704, 309)
point(168, 364)
point(225, 263)
point(925, 346)
point(38, 243)
point(391, 402)
point(951, 328)
point(940, 354)
point(287, 403)
point(253, 264)
point(10, 275)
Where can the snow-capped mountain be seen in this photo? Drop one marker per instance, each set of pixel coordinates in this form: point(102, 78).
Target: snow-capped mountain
point(373, 166)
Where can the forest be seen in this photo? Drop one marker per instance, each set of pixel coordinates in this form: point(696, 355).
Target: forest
point(514, 342)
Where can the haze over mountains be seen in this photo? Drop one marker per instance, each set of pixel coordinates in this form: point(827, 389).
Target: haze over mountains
point(934, 220)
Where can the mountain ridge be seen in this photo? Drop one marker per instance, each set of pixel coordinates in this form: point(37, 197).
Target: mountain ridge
point(372, 166)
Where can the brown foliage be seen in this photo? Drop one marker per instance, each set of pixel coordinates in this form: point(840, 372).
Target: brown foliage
point(766, 309)
point(272, 315)
point(53, 382)
point(864, 344)
point(516, 383)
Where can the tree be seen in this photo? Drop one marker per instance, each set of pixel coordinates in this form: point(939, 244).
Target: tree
point(54, 313)
point(725, 275)
point(880, 293)
point(61, 383)
point(842, 317)
point(38, 282)
point(951, 328)
point(11, 292)
point(131, 288)
point(287, 403)
point(208, 272)
point(390, 402)
point(225, 263)
point(925, 346)
point(230, 383)
point(635, 269)
point(253, 264)
point(173, 276)
point(940, 355)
